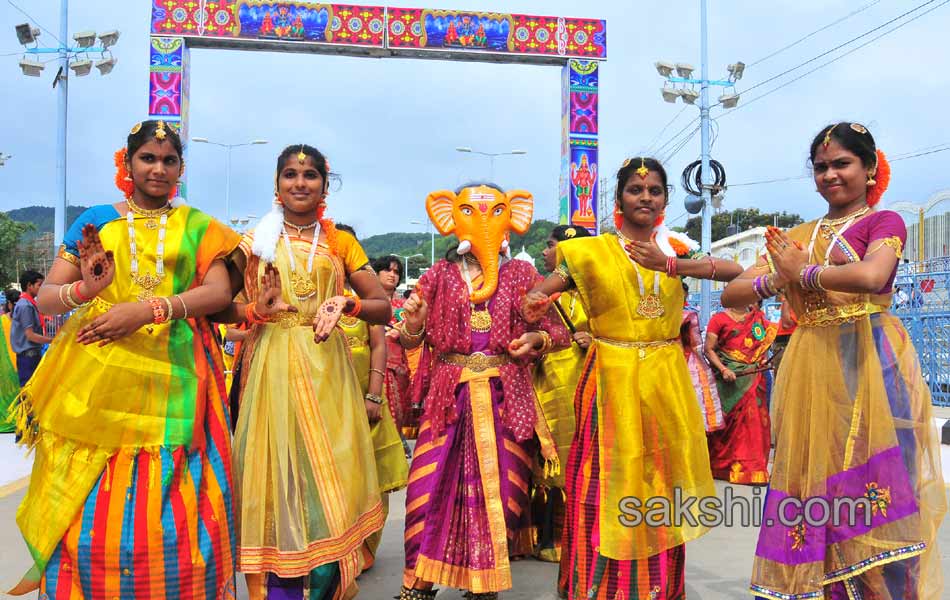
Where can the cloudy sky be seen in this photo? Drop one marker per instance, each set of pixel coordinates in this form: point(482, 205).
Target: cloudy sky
point(391, 126)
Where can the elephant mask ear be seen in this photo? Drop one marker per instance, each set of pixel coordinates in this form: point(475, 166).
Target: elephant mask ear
point(439, 205)
point(522, 209)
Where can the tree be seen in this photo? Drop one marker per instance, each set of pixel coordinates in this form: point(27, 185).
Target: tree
point(11, 233)
point(743, 218)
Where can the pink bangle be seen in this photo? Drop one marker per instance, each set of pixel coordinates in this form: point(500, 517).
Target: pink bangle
point(671, 266)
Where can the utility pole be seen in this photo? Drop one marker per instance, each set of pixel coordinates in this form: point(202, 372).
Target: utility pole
point(689, 95)
point(78, 59)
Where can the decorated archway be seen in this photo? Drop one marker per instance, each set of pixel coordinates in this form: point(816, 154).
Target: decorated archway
point(576, 45)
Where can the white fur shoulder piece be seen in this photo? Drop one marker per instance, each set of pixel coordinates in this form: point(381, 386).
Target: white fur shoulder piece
point(267, 234)
point(663, 236)
point(177, 201)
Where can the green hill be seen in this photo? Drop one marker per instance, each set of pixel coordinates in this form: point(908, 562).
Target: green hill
point(406, 244)
point(42, 218)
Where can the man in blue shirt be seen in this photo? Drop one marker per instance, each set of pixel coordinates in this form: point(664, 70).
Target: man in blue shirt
point(26, 331)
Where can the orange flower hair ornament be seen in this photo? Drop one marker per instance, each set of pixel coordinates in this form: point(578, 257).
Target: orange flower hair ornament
point(881, 179)
point(122, 179)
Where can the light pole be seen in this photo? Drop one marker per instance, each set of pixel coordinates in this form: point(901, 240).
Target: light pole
point(491, 157)
point(242, 221)
point(688, 94)
point(78, 59)
point(227, 184)
point(406, 258)
point(432, 239)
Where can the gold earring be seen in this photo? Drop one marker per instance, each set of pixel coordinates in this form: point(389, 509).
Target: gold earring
point(871, 180)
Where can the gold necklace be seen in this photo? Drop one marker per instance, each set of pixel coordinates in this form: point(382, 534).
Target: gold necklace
point(481, 320)
point(148, 282)
point(650, 305)
point(149, 214)
point(841, 220)
point(301, 284)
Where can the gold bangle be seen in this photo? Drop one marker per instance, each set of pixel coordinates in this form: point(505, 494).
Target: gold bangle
point(412, 336)
point(547, 342)
point(66, 301)
point(381, 373)
point(168, 305)
point(184, 306)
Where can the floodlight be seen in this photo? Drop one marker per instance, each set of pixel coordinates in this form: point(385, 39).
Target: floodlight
point(105, 65)
point(670, 94)
point(109, 38)
point(729, 100)
point(85, 39)
point(684, 70)
point(737, 70)
point(689, 96)
point(665, 69)
point(81, 67)
point(26, 34)
point(31, 68)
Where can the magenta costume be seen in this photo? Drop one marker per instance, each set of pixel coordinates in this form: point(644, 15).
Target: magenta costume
point(468, 484)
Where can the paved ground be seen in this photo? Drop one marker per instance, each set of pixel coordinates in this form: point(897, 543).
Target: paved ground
point(717, 566)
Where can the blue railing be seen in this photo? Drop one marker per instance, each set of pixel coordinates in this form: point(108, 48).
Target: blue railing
point(922, 302)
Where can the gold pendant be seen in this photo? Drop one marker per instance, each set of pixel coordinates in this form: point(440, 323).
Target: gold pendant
point(151, 224)
point(650, 307)
point(148, 283)
point(349, 321)
point(302, 287)
point(480, 321)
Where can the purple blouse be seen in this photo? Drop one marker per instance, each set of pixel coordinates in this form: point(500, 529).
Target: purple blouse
point(863, 233)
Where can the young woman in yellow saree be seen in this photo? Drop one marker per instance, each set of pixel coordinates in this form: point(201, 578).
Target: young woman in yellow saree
point(131, 488)
point(306, 489)
point(855, 413)
point(640, 434)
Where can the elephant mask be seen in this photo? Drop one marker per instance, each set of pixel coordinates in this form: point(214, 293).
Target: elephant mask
point(482, 219)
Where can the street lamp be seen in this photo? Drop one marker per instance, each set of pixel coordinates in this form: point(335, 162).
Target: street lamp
point(432, 240)
point(689, 95)
point(4, 158)
point(491, 157)
point(406, 258)
point(227, 184)
point(79, 59)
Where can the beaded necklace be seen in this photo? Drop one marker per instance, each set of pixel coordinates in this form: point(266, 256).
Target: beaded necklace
point(148, 282)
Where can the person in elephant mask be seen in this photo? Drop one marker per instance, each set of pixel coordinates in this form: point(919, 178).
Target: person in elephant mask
point(468, 492)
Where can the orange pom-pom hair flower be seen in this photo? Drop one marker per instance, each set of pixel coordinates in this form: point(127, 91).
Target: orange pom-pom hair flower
point(882, 178)
point(122, 179)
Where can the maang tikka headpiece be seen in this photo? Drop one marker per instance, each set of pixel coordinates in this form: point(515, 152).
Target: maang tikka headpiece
point(827, 139)
point(160, 131)
point(642, 170)
point(301, 155)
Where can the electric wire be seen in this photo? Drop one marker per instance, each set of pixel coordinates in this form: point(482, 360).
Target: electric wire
point(814, 33)
point(825, 64)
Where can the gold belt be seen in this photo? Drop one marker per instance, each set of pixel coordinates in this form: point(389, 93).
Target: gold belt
point(477, 361)
point(641, 347)
point(838, 315)
point(287, 320)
